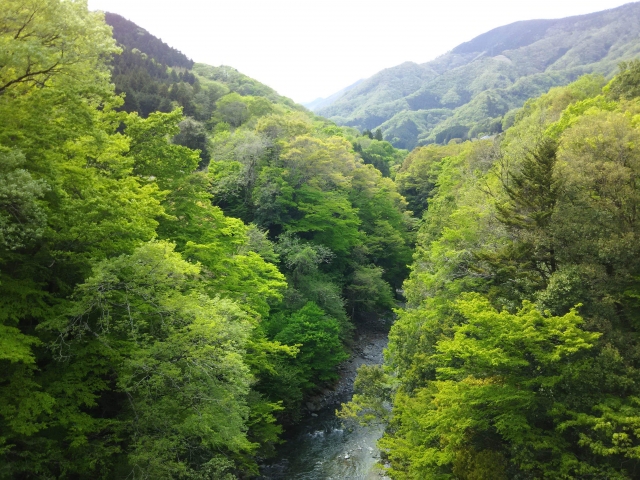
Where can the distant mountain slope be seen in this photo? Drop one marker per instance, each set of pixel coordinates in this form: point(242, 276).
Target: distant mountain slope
point(319, 103)
point(467, 92)
point(156, 77)
point(237, 82)
point(131, 36)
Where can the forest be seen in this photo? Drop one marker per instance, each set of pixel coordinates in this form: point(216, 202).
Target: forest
point(516, 356)
point(185, 255)
point(475, 89)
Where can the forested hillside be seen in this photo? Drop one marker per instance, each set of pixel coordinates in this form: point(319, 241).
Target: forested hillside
point(474, 90)
point(517, 355)
point(179, 268)
point(185, 255)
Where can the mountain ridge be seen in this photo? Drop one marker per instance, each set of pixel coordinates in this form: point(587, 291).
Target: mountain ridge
point(321, 102)
point(477, 83)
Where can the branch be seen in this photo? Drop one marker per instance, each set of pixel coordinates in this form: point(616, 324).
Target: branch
point(28, 76)
point(26, 24)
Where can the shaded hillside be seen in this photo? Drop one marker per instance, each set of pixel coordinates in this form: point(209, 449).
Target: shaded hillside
point(469, 91)
point(152, 75)
point(130, 35)
point(156, 77)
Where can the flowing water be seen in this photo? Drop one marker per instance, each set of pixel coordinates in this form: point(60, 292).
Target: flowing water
point(321, 447)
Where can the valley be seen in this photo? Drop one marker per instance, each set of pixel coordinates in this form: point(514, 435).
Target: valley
point(435, 275)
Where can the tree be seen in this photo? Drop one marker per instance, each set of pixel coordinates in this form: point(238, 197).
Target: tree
point(626, 84)
point(533, 192)
point(52, 42)
point(22, 215)
point(176, 355)
point(368, 293)
point(498, 390)
point(319, 338)
point(193, 136)
point(233, 109)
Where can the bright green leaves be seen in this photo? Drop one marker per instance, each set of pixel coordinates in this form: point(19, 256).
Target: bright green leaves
point(177, 354)
point(491, 343)
point(46, 43)
point(154, 157)
point(294, 178)
point(119, 295)
point(143, 332)
point(318, 337)
point(328, 218)
point(380, 154)
point(234, 109)
point(490, 383)
point(15, 346)
point(498, 378)
point(371, 398)
point(323, 164)
point(612, 429)
point(368, 292)
point(625, 85)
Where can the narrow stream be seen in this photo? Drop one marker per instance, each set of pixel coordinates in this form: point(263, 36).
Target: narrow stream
point(321, 447)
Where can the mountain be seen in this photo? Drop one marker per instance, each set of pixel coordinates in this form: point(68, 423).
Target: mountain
point(131, 36)
point(319, 103)
point(156, 77)
point(472, 89)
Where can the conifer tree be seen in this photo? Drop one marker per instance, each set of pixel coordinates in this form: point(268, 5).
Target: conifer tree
point(532, 193)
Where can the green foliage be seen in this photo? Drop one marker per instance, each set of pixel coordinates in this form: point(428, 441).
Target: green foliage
point(22, 217)
point(241, 84)
point(176, 354)
point(492, 371)
point(45, 43)
point(380, 154)
point(371, 397)
point(416, 179)
point(498, 380)
point(289, 179)
point(193, 136)
point(144, 333)
point(626, 84)
point(318, 337)
point(131, 36)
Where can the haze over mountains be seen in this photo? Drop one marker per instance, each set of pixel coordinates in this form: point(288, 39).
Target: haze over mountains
point(473, 89)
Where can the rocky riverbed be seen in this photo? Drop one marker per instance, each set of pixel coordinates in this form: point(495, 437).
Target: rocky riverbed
point(367, 350)
point(321, 447)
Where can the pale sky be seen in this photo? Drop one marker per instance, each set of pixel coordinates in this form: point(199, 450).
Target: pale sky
point(306, 49)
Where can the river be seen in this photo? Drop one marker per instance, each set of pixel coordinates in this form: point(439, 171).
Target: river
point(321, 447)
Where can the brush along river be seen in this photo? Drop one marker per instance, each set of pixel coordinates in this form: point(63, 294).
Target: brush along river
point(321, 447)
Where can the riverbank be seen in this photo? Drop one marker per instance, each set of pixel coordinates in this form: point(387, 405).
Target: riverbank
point(321, 447)
point(367, 350)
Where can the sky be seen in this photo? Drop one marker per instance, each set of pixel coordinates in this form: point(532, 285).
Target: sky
point(307, 49)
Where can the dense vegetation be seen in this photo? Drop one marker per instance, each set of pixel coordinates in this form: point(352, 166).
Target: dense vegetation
point(517, 356)
point(473, 90)
point(184, 255)
point(171, 287)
